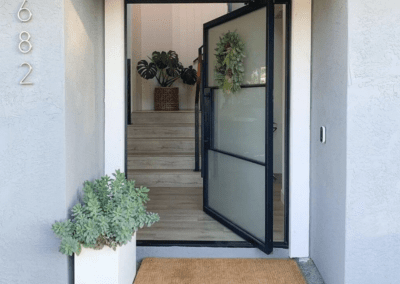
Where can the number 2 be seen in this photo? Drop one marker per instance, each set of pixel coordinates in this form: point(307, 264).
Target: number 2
point(24, 9)
point(26, 76)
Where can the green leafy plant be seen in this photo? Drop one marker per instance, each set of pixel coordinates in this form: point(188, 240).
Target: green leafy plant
point(229, 68)
point(166, 68)
point(111, 211)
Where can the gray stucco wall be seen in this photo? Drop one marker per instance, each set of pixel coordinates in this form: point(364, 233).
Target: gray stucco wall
point(355, 180)
point(42, 162)
point(32, 148)
point(373, 143)
point(328, 161)
point(84, 95)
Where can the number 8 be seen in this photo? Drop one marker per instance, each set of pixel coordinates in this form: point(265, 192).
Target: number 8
point(24, 9)
point(26, 41)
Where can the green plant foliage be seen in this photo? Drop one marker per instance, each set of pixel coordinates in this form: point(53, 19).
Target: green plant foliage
point(229, 68)
point(166, 68)
point(112, 209)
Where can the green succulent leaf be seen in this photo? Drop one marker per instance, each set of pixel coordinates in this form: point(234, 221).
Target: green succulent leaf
point(69, 246)
point(63, 229)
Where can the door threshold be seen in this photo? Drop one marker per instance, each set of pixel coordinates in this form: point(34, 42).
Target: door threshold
point(219, 244)
point(165, 243)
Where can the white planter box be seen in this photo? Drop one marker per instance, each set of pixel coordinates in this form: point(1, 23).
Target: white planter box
point(106, 265)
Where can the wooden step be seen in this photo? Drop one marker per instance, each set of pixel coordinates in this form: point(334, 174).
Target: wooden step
point(161, 162)
point(172, 145)
point(166, 178)
point(162, 117)
point(158, 131)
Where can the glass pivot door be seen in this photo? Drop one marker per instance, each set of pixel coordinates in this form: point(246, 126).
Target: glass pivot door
point(238, 129)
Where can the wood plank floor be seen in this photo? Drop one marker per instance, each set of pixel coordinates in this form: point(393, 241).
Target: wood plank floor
point(161, 156)
point(182, 217)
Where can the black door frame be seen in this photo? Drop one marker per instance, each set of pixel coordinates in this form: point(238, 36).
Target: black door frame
point(236, 244)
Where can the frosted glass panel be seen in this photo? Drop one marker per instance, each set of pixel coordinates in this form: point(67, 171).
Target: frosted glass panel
point(236, 190)
point(239, 123)
point(252, 29)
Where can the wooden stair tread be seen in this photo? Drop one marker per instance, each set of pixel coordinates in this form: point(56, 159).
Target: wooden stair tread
point(161, 154)
point(167, 124)
point(170, 111)
point(172, 172)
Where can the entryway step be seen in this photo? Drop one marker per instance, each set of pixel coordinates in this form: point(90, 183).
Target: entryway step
point(166, 178)
point(163, 117)
point(161, 162)
point(154, 145)
point(161, 131)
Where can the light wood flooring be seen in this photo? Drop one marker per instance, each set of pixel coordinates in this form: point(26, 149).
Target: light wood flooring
point(182, 217)
point(161, 157)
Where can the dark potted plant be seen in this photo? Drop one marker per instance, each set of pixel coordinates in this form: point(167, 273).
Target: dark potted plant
point(166, 68)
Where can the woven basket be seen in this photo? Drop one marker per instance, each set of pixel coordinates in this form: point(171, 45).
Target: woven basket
point(166, 99)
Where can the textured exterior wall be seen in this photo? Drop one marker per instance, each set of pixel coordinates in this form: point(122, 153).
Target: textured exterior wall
point(373, 143)
point(84, 95)
point(328, 161)
point(51, 132)
point(32, 145)
point(84, 87)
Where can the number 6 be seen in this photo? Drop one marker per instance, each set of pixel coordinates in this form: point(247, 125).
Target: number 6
point(24, 9)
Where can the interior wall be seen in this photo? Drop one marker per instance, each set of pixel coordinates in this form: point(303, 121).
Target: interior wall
point(177, 27)
point(373, 143)
point(328, 161)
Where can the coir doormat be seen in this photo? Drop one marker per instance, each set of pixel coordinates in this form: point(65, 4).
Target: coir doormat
point(218, 271)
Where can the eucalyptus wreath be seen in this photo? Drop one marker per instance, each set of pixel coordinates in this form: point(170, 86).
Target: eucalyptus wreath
point(229, 68)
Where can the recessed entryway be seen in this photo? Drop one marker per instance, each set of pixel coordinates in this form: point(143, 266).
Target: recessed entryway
point(299, 110)
point(160, 144)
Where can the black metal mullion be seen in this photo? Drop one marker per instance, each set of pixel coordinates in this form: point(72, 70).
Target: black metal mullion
point(269, 119)
point(287, 121)
point(238, 157)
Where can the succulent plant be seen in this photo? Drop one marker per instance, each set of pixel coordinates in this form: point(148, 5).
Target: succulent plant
point(110, 213)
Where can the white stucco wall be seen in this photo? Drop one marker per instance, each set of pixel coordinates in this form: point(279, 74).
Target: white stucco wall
point(299, 151)
point(84, 95)
point(373, 143)
point(114, 86)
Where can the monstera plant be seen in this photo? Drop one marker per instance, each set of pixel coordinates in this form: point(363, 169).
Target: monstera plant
point(166, 68)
